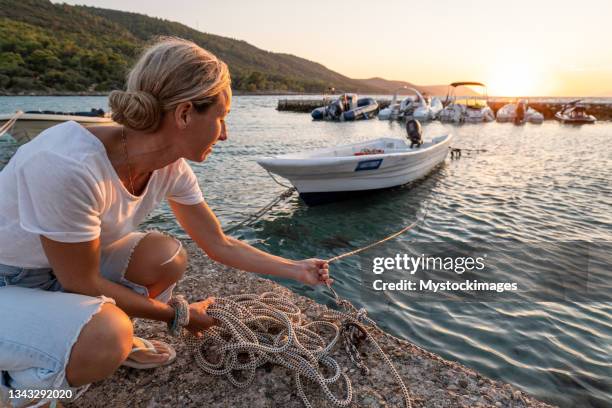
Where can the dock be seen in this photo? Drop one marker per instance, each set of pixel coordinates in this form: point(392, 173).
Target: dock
point(307, 105)
point(601, 109)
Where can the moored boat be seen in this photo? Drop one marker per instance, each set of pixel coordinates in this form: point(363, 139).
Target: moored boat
point(429, 110)
point(347, 107)
point(575, 113)
point(335, 173)
point(519, 113)
point(418, 106)
point(27, 125)
point(469, 109)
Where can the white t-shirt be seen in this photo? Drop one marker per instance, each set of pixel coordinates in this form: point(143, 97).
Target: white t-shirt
point(63, 186)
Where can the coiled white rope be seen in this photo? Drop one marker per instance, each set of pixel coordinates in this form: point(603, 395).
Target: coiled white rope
point(257, 329)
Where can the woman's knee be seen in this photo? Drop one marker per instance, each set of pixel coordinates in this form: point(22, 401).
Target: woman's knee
point(157, 258)
point(103, 344)
point(118, 330)
point(179, 263)
point(173, 267)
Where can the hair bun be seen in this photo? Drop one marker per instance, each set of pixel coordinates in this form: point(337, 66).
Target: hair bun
point(136, 110)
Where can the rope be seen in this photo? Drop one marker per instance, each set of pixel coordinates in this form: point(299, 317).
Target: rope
point(470, 150)
point(407, 228)
point(457, 151)
point(354, 331)
point(276, 181)
point(372, 245)
point(250, 220)
point(9, 124)
point(254, 330)
point(257, 215)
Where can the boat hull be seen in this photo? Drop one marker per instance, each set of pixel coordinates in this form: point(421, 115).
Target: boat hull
point(390, 113)
point(314, 199)
point(28, 126)
point(507, 113)
point(574, 121)
point(332, 178)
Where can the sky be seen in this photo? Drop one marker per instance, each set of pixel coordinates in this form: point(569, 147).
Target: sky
point(518, 48)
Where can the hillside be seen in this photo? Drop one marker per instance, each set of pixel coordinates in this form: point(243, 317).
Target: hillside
point(46, 48)
point(243, 58)
point(392, 86)
point(55, 48)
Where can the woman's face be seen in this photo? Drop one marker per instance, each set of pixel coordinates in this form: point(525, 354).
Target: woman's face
point(205, 129)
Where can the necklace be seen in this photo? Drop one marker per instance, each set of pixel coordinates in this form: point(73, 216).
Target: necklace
point(127, 160)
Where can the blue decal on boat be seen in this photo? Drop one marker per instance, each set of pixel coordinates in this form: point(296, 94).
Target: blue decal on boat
point(369, 164)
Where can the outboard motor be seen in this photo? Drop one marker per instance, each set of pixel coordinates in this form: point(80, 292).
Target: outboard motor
point(415, 133)
point(334, 110)
point(521, 108)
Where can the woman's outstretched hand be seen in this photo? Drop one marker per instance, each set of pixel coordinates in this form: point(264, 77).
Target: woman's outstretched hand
point(198, 319)
point(313, 272)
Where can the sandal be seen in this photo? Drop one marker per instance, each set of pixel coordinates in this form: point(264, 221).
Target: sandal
point(149, 347)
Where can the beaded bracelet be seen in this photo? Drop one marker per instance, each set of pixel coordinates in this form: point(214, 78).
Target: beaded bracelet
point(181, 315)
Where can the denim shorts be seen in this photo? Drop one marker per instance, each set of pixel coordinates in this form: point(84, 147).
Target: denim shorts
point(39, 322)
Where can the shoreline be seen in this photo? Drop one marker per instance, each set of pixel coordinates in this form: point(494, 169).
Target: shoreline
point(432, 380)
point(492, 98)
point(106, 93)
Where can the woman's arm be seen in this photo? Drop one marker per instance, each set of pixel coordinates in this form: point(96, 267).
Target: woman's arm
point(204, 228)
point(76, 266)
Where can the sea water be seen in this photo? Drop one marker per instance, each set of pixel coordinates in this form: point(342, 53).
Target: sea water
point(529, 186)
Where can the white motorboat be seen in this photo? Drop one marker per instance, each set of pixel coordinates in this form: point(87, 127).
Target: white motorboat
point(23, 127)
point(575, 113)
point(335, 173)
point(429, 111)
point(519, 113)
point(470, 109)
point(419, 106)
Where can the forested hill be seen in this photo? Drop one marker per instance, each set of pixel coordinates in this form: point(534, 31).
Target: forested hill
point(47, 48)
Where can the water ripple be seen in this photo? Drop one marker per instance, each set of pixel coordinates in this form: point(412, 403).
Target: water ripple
point(533, 185)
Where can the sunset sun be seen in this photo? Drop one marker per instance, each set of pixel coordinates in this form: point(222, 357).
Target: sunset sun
point(513, 79)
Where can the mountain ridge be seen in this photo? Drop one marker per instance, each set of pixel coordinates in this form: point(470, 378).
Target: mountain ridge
point(47, 48)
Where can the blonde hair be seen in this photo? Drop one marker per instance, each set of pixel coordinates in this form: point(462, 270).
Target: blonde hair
point(169, 72)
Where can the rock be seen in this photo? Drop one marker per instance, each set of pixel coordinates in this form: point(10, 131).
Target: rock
point(432, 381)
point(368, 401)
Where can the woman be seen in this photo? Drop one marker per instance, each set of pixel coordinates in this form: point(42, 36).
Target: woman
point(73, 270)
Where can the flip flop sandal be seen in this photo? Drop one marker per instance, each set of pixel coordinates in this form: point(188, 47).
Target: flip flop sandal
point(149, 347)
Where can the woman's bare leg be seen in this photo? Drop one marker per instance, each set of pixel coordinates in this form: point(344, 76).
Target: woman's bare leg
point(157, 262)
point(103, 344)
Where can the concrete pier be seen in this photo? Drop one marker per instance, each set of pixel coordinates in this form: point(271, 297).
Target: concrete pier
point(307, 105)
point(547, 106)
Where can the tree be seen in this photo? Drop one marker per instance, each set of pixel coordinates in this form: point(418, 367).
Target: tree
point(10, 62)
point(43, 59)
